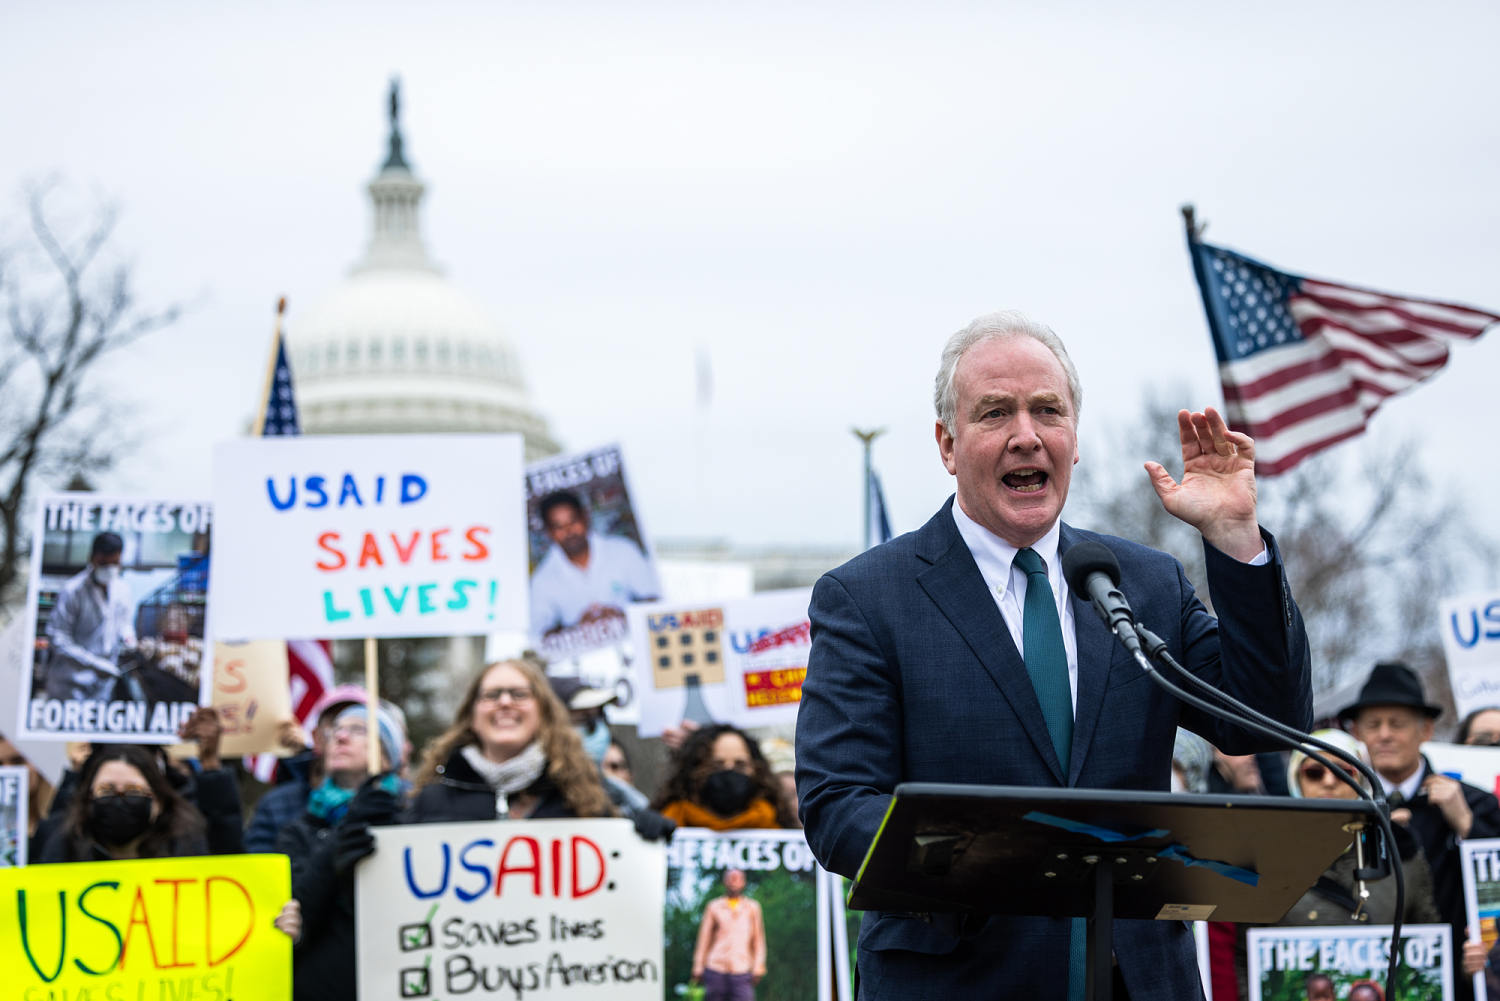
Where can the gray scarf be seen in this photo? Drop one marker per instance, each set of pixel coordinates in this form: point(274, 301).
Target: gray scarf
point(506, 777)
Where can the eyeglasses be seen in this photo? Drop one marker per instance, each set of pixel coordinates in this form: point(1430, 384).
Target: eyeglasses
point(518, 696)
point(350, 730)
point(112, 790)
point(1315, 772)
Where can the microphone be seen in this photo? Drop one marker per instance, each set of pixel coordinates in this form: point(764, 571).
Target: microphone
point(1091, 568)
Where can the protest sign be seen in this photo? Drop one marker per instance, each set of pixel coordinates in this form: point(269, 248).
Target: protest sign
point(116, 613)
point(13, 820)
point(1478, 766)
point(1470, 627)
point(523, 909)
point(1481, 861)
point(145, 930)
point(845, 923)
point(588, 556)
point(779, 884)
point(252, 695)
point(739, 661)
point(1282, 960)
point(368, 535)
point(49, 757)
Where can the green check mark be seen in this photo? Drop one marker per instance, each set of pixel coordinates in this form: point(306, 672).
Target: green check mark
point(418, 935)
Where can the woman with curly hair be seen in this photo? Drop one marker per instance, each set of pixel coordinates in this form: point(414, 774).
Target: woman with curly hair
point(719, 779)
point(512, 752)
point(124, 809)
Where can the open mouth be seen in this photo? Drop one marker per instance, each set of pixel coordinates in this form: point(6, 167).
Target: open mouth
point(1026, 481)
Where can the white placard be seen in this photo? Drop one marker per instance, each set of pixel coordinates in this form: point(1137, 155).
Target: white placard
point(1281, 960)
point(1478, 766)
point(14, 789)
point(739, 661)
point(525, 908)
point(1481, 873)
point(49, 757)
point(368, 535)
point(589, 557)
point(1470, 627)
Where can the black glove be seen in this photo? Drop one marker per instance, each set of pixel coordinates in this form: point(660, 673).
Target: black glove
point(372, 804)
point(652, 826)
point(351, 842)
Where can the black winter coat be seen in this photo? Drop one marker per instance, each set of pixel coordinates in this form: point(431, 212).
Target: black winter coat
point(460, 793)
point(323, 961)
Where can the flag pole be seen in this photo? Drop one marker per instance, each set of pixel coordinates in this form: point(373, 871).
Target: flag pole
point(265, 394)
point(867, 438)
point(372, 697)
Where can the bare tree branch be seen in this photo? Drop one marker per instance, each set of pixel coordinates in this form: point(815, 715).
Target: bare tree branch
point(64, 310)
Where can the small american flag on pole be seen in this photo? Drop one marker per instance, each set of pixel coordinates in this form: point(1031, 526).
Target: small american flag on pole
point(1303, 362)
point(309, 662)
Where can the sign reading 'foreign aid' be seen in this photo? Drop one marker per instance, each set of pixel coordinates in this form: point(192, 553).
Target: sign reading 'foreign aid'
point(369, 535)
point(523, 909)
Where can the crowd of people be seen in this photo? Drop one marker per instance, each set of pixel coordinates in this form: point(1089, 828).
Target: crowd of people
point(521, 745)
point(1432, 813)
point(525, 745)
point(956, 653)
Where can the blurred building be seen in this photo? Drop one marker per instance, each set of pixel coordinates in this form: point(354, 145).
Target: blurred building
point(396, 347)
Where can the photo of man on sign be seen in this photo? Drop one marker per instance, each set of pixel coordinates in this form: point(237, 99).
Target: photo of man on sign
point(588, 558)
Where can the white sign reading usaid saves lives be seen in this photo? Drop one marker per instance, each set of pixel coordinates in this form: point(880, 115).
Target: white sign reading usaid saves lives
point(368, 535)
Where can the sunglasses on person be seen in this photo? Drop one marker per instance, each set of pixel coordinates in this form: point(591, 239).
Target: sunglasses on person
point(1314, 772)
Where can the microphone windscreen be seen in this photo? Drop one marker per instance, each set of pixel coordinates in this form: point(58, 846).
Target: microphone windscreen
point(1086, 558)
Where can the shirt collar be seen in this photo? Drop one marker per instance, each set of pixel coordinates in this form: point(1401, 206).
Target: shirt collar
point(994, 555)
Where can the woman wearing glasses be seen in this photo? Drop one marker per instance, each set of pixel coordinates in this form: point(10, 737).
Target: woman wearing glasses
point(512, 752)
point(1331, 900)
point(125, 808)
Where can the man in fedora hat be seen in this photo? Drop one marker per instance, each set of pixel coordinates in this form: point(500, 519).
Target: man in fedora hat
point(1394, 719)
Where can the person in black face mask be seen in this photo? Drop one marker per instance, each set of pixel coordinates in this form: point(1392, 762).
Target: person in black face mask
point(125, 808)
point(719, 779)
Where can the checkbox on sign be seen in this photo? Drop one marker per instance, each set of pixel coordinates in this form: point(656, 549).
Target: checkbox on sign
point(418, 936)
point(415, 982)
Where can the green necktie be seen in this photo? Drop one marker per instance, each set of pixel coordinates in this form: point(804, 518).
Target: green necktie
point(1046, 657)
point(1047, 663)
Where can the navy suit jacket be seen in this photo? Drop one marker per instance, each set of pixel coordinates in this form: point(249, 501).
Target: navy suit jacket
point(914, 677)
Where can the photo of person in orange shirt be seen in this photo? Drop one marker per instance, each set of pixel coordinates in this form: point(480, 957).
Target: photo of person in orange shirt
point(730, 957)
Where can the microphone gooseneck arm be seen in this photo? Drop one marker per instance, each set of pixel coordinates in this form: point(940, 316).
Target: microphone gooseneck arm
point(1091, 568)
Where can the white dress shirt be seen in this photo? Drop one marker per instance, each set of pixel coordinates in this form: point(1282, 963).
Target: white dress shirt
point(1007, 583)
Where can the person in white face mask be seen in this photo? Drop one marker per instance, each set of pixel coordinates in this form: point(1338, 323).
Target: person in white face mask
point(90, 626)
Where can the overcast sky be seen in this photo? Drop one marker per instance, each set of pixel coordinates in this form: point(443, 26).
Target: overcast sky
point(815, 194)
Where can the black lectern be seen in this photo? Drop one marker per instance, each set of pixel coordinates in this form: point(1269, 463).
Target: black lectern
point(1100, 854)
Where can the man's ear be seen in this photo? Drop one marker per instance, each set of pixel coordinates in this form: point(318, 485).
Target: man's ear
point(945, 449)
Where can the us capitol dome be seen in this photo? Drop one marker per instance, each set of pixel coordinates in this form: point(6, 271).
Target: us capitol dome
point(396, 348)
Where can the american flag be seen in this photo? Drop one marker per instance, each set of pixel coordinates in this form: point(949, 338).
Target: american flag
point(309, 662)
point(1304, 363)
point(280, 415)
point(880, 520)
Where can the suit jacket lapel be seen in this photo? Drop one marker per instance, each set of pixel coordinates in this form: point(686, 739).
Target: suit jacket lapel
point(1096, 654)
point(955, 584)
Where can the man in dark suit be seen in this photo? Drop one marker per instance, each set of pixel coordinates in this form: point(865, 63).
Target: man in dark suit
point(935, 658)
point(1394, 719)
